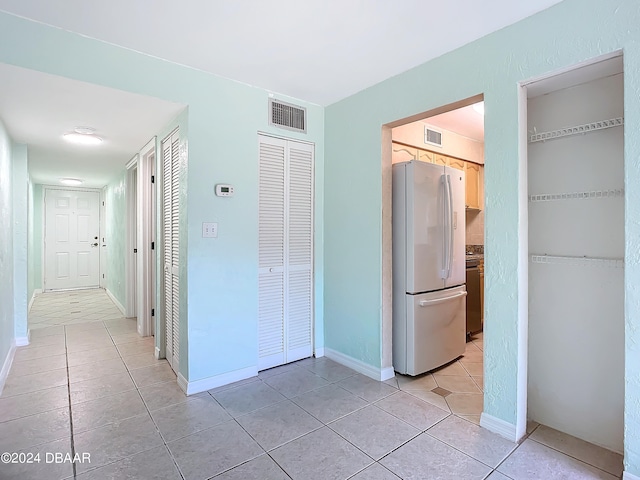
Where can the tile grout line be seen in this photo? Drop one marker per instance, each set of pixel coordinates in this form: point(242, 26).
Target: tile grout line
point(164, 442)
point(567, 454)
point(73, 448)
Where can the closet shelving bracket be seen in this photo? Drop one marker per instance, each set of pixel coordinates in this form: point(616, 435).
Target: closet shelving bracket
point(578, 261)
point(576, 130)
point(549, 197)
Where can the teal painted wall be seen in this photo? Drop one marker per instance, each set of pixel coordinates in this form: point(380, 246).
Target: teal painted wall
point(20, 191)
point(219, 279)
point(115, 221)
point(7, 332)
point(569, 33)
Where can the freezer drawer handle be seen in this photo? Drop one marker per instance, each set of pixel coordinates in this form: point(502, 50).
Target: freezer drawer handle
point(427, 303)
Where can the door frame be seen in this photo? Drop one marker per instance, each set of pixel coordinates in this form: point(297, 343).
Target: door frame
point(146, 256)
point(101, 254)
point(141, 222)
point(131, 231)
point(103, 231)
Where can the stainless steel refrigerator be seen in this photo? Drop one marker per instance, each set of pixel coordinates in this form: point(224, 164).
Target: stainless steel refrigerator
point(428, 266)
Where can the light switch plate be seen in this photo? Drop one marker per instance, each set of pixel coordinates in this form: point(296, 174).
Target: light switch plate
point(209, 230)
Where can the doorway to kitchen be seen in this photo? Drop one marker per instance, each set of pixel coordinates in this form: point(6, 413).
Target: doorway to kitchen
point(450, 139)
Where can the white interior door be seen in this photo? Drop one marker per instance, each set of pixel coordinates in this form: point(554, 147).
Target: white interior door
point(72, 243)
point(171, 246)
point(146, 282)
point(285, 305)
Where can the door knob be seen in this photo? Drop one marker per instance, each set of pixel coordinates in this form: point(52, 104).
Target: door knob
point(94, 244)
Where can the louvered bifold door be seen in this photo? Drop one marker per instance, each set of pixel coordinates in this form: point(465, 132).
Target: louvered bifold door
point(299, 252)
point(271, 232)
point(171, 246)
point(285, 252)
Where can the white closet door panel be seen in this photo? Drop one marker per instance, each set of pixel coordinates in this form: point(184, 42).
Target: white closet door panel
point(299, 312)
point(272, 208)
point(168, 314)
point(271, 314)
point(166, 235)
point(175, 200)
point(285, 251)
point(171, 246)
point(175, 296)
point(300, 206)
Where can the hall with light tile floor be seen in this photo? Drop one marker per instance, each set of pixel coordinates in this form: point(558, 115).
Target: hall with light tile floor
point(91, 385)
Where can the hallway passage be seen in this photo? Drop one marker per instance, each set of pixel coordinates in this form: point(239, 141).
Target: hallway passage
point(71, 307)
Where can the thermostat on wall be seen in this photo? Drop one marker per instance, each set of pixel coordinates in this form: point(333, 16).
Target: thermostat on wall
point(224, 190)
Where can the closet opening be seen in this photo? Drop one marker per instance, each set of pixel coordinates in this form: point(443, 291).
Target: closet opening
point(575, 175)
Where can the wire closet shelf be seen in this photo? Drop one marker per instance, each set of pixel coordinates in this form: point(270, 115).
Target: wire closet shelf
point(576, 130)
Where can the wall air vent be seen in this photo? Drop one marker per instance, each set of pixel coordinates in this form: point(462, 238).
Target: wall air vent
point(432, 137)
point(286, 115)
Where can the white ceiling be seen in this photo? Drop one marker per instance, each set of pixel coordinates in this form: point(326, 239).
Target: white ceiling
point(320, 51)
point(464, 121)
point(38, 109)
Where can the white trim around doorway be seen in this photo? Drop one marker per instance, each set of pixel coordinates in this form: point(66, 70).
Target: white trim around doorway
point(131, 227)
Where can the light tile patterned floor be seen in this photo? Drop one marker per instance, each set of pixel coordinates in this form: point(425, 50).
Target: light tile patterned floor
point(94, 387)
point(70, 307)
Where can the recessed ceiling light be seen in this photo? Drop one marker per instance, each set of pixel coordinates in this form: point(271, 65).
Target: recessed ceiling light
point(83, 136)
point(85, 130)
point(71, 181)
point(479, 107)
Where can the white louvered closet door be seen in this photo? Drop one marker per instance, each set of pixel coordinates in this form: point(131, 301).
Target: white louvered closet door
point(285, 252)
point(170, 226)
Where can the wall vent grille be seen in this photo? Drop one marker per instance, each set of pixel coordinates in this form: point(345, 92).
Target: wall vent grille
point(286, 115)
point(432, 137)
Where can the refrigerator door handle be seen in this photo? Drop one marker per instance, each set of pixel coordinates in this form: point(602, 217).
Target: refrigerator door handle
point(442, 195)
point(451, 232)
point(428, 303)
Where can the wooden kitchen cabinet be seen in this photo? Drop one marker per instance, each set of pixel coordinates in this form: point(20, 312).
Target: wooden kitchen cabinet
point(441, 159)
point(402, 153)
point(472, 173)
point(426, 156)
point(456, 163)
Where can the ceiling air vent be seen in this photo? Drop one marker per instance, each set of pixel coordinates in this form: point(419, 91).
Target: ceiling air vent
point(286, 115)
point(432, 137)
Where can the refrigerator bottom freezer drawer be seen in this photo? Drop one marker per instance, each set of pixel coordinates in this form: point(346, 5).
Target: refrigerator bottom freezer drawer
point(436, 329)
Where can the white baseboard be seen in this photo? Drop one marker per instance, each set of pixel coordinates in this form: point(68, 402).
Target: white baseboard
point(319, 352)
point(205, 384)
point(37, 291)
point(23, 341)
point(183, 384)
point(6, 366)
point(359, 366)
point(387, 373)
point(629, 476)
point(115, 300)
point(156, 353)
point(496, 425)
